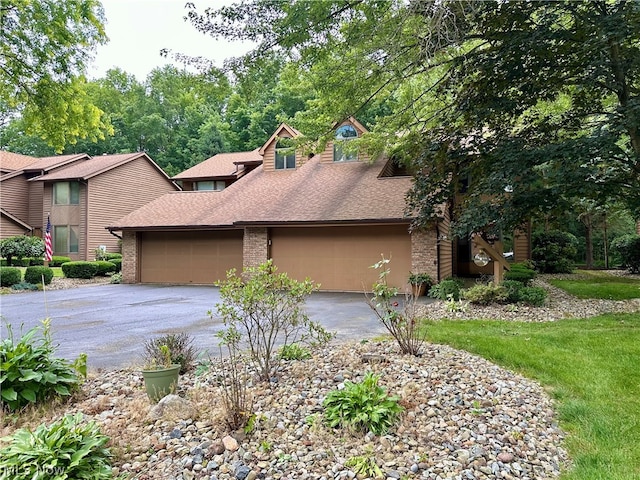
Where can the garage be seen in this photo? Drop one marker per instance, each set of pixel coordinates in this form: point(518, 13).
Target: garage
point(340, 257)
point(200, 257)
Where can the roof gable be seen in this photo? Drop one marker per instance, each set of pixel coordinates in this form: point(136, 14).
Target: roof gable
point(221, 165)
point(283, 130)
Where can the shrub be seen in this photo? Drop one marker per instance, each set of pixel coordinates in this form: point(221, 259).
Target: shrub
point(534, 296)
point(400, 321)
point(10, 276)
point(513, 289)
point(35, 275)
point(364, 406)
point(553, 251)
point(112, 256)
point(521, 273)
point(65, 449)
point(58, 261)
point(79, 269)
point(485, 294)
point(24, 286)
point(267, 308)
point(118, 263)
point(181, 350)
point(31, 374)
point(448, 288)
point(294, 351)
point(104, 267)
point(21, 246)
point(116, 278)
point(627, 248)
point(36, 261)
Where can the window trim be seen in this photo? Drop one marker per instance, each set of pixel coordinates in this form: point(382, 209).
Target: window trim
point(71, 232)
point(288, 158)
point(339, 141)
point(70, 193)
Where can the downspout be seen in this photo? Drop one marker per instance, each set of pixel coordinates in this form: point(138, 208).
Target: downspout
point(114, 234)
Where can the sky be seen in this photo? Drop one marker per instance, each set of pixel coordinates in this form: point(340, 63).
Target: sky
point(139, 29)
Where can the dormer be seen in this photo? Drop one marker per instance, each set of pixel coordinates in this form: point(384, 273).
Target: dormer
point(337, 150)
point(279, 152)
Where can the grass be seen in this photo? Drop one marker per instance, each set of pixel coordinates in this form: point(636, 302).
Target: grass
point(589, 367)
point(600, 285)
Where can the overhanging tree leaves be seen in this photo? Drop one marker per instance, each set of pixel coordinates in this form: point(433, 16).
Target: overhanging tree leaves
point(525, 107)
point(44, 49)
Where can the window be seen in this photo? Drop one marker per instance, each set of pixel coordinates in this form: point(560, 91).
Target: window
point(285, 154)
point(216, 185)
point(341, 153)
point(65, 239)
point(66, 193)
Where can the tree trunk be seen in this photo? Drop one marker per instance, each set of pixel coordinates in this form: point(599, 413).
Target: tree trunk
point(589, 240)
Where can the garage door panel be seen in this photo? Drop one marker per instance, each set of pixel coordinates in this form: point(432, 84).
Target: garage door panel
point(189, 257)
point(339, 258)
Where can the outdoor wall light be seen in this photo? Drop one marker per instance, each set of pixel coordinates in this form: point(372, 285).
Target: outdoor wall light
point(481, 258)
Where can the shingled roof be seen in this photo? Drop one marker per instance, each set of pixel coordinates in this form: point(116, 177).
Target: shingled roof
point(10, 161)
point(221, 165)
point(349, 192)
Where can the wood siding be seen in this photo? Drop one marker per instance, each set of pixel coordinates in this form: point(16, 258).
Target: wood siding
point(327, 155)
point(10, 229)
point(269, 157)
point(445, 248)
point(115, 193)
point(522, 244)
point(36, 198)
point(14, 198)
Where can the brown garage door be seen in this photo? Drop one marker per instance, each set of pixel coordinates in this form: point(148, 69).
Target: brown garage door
point(189, 257)
point(339, 257)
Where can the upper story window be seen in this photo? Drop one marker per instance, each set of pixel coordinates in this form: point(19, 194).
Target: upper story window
point(344, 134)
point(285, 154)
point(216, 185)
point(66, 193)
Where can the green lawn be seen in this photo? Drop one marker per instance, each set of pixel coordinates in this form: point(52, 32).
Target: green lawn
point(595, 284)
point(590, 367)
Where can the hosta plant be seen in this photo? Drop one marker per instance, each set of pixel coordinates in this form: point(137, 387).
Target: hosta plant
point(363, 406)
point(66, 449)
point(30, 373)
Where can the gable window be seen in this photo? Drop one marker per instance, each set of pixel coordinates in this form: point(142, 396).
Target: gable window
point(66, 193)
point(341, 153)
point(65, 239)
point(285, 154)
point(216, 185)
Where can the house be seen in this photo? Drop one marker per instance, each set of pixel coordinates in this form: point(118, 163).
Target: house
point(328, 216)
point(81, 195)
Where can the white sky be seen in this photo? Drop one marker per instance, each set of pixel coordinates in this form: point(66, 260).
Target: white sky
point(139, 29)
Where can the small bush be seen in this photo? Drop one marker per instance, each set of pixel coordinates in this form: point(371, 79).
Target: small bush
point(112, 256)
point(446, 289)
point(627, 248)
point(116, 278)
point(364, 406)
point(79, 269)
point(104, 267)
point(35, 275)
point(65, 449)
point(513, 289)
point(10, 276)
point(485, 294)
point(118, 263)
point(23, 286)
point(31, 374)
point(36, 261)
point(58, 261)
point(534, 296)
point(554, 251)
point(521, 273)
point(181, 350)
point(294, 351)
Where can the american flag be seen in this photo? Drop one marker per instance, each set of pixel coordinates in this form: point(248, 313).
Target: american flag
point(48, 252)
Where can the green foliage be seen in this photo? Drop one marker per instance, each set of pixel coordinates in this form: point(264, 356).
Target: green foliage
point(485, 294)
point(116, 278)
point(534, 296)
point(421, 279)
point(57, 261)
point(35, 275)
point(179, 347)
point(365, 465)
point(118, 263)
point(80, 269)
point(37, 261)
point(21, 246)
point(266, 308)
point(10, 276)
point(66, 449)
point(24, 286)
point(553, 251)
point(520, 272)
point(628, 249)
point(30, 373)
point(45, 82)
point(104, 267)
point(363, 406)
point(600, 285)
point(293, 351)
point(401, 322)
point(112, 256)
point(446, 289)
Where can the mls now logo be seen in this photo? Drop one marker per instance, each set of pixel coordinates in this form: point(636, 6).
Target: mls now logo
point(26, 471)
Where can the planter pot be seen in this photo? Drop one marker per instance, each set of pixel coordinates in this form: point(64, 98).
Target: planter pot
point(160, 382)
point(419, 290)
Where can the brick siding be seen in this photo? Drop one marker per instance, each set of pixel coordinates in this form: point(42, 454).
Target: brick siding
point(129, 257)
point(255, 246)
point(424, 252)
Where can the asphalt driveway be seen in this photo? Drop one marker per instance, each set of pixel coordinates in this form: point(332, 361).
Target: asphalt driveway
point(111, 322)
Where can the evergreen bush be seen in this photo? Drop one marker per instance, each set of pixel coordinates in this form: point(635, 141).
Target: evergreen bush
point(57, 261)
point(36, 275)
point(10, 276)
point(79, 269)
point(104, 267)
point(627, 247)
point(554, 251)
